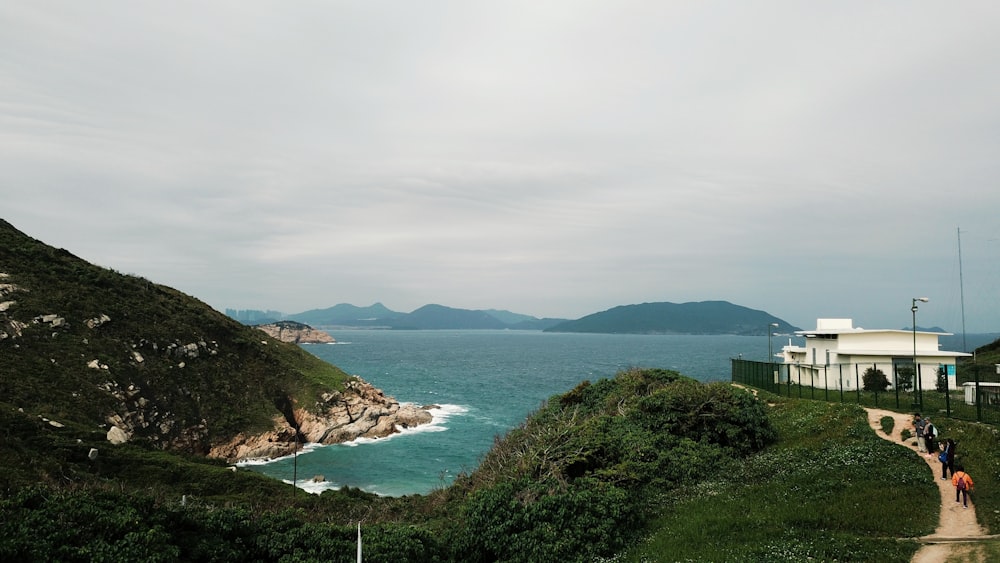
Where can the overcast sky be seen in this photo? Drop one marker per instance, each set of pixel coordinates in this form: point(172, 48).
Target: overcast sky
point(559, 158)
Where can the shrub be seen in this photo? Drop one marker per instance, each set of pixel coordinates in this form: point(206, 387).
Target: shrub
point(874, 380)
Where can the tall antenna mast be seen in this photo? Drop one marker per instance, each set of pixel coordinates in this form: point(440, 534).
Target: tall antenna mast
point(961, 286)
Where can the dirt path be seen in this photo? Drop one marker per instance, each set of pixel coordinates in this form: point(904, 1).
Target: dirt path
point(957, 525)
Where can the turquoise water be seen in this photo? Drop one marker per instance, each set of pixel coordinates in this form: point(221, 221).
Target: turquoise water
point(486, 382)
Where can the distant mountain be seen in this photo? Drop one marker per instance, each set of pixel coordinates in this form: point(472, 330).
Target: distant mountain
point(704, 317)
point(507, 317)
point(441, 317)
point(428, 317)
point(344, 314)
point(517, 321)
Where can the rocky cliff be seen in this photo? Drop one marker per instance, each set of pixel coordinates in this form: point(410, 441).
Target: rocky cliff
point(361, 411)
point(145, 363)
point(296, 333)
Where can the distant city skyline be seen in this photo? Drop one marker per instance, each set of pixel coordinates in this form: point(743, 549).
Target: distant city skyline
point(553, 159)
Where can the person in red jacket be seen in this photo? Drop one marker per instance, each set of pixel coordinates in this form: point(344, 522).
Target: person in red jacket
point(963, 485)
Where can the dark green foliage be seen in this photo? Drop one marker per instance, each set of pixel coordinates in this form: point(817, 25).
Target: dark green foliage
point(941, 382)
point(874, 380)
point(904, 378)
point(235, 380)
point(523, 521)
point(573, 482)
point(41, 524)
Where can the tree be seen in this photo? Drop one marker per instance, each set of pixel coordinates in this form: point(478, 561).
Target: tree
point(874, 380)
point(904, 378)
point(942, 380)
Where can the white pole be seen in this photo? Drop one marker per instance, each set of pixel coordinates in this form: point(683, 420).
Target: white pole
point(359, 542)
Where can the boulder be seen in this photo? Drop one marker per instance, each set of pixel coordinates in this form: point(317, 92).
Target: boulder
point(117, 436)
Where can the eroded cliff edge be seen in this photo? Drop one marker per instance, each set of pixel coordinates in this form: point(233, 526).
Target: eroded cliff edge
point(296, 333)
point(360, 411)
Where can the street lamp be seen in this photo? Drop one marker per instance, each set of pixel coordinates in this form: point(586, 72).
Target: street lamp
point(770, 349)
point(916, 372)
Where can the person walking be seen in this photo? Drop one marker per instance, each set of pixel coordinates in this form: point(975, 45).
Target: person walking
point(963, 485)
point(918, 427)
point(930, 432)
point(947, 458)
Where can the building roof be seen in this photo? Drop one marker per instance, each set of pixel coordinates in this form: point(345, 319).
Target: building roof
point(900, 353)
point(808, 333)
point(845, 326)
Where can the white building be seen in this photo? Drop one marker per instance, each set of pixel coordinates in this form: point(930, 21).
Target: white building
point(836, 355)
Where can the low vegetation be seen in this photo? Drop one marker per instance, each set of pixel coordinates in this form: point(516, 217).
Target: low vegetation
point(647, 466)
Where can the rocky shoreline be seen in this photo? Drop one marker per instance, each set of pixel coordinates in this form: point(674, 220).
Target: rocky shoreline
point(296, 333)
point(361, 411)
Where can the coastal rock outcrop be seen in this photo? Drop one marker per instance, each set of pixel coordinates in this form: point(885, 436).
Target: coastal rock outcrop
point(361, 411)
point(296, 333)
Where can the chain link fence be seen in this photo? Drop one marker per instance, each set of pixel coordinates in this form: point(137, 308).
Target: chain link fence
point(972, 394)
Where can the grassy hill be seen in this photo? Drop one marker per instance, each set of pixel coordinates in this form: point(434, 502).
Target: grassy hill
point(646, 466)
point(88, 347)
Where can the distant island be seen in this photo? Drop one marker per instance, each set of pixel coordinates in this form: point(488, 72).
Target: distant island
point(296, 333)
point(704, 317)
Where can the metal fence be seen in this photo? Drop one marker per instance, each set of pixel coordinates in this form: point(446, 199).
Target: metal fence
point(973, 394)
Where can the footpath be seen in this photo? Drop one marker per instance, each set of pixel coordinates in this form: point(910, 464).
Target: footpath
point(957, 531)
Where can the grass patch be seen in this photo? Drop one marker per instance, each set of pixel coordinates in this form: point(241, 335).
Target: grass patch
point(823, 492)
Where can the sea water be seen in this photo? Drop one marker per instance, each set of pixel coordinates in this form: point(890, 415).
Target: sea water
point(482, 383)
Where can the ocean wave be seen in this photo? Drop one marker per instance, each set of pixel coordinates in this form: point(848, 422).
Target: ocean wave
point(303, 449)
point(439, 416)
point(314, 487)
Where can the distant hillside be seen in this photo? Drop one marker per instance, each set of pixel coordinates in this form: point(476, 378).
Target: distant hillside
point(428, 317)
point(441, 317)
point(344, 314)
point(704, 317)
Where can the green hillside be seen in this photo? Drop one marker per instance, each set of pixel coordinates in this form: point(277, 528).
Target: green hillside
point(646, 466)
point(704, 317)
point(84, 345)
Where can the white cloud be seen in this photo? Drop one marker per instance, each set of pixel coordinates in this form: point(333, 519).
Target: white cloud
point(554, 159)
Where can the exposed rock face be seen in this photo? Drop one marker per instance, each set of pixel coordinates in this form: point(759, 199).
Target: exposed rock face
point(296, 333)
point(362, 411)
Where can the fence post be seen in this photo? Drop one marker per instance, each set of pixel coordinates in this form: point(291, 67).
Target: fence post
point(840, 378)
point(895, 383)
point(857, 381)
point(920, 387)
point(979, 401)
point(947, 392)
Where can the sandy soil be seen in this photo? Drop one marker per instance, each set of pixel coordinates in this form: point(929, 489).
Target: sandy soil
point(957, 525)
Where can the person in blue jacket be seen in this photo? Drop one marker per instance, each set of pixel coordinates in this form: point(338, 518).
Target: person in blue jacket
point(947, 458)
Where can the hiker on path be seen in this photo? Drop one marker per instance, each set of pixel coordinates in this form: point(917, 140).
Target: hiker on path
point(963, 485)
point(930, 432)
point(947, 458)
point(918, 427)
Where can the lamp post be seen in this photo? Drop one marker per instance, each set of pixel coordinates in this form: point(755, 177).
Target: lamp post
point(770, 348)
point(916, 372)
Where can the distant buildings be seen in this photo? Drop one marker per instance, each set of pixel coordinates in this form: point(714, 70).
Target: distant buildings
point(254, 317)
point(836, 355)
